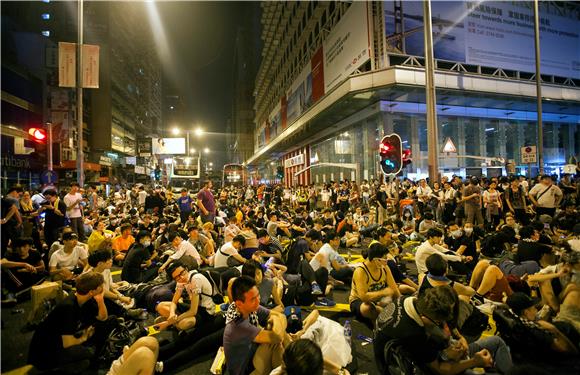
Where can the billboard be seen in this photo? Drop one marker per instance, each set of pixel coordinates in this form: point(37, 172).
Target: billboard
point(187, 167)
point(144, 146)
point(168, 146)
point(493, 33)
point(299, 95)
point(347, 46)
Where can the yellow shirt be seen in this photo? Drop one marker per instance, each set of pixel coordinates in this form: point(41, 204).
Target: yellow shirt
point(96, 239)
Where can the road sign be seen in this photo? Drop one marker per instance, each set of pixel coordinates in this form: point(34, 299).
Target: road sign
point(449, 146)
point(529, 154)
point(49, 177)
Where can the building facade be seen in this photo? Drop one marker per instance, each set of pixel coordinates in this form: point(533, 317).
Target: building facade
point(336, 77)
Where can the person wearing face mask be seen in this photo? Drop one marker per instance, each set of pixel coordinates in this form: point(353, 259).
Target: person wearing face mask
point(432, 246)
point(137, 265)
point(465, 242)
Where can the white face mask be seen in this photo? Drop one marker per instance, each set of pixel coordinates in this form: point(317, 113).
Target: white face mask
point(456, 233)
point(468, 231)
point(147, 243)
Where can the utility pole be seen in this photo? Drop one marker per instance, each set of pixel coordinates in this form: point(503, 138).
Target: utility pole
point(432, 134)
point(538, 87)
point(49, 146)
point(80, 151)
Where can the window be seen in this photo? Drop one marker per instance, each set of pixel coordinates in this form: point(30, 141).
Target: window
point(45, 16)
point(46, 33)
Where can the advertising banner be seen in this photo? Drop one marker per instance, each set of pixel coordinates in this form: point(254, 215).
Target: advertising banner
point(275, 121)
point(299, 95)
point(494, 33)
point(347, 46)
point(185, 167)
point(166, 146)
point(90, 66)
point(317, 69)
point(67, 67)
point(145, 147)
point(60, 126)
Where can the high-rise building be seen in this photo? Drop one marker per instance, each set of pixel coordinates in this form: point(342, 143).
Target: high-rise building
point(335, 77)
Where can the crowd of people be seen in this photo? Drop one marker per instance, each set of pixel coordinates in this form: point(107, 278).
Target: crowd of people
point(425, 265)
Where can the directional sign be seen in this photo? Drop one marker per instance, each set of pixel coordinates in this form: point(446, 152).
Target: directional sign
point(49, 177)
point(529, 154)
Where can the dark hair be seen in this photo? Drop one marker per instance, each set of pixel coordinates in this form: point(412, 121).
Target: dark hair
point(380, 232)
point(124, 227)
point(142, 234)
point(172, 267)
point(303, 357)
point(377, 250)
point(172, 235)
point(436, 265)
point(330, 235)
point(527, 232)
point(262, 233)
point(434, 232)
point(249, 268)
point(239, 238)
point(241, 286)
point(438, 303)
point(428, 216)
point(99, 256)
point(89, 281)
point(314, 235)
point(21, 242)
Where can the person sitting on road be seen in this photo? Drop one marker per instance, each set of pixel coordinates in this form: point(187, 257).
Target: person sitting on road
point(230, 250)
point(22, 268)
point(329, 258)
point(122, 243)
point(432, 246)
point(372, 285)
point(69, 261)
point(437, 268)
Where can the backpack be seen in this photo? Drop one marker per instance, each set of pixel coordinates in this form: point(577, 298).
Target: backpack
point(475, 324)
point(398, 361)
point(214, 279)
point(39, 315)
point(124, 334)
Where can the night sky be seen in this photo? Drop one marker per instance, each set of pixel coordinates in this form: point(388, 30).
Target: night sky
point(201, 38)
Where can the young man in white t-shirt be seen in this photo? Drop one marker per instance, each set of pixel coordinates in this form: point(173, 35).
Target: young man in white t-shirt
point(198, 290)
point(230, 249)
point(71, 259)
point(74, 212)
point(182, 247)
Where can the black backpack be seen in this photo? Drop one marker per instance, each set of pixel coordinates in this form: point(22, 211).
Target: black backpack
point(398, 361)
point(214, 279)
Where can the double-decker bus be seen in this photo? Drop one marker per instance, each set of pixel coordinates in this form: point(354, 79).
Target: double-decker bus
point(234, 174)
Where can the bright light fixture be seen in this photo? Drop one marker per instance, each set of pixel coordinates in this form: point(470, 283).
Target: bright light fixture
point(175, 131)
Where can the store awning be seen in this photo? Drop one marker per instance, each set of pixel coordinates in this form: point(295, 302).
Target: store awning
point(72, 164)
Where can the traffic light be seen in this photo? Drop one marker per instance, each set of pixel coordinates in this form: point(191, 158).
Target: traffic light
point(391, 153)
point(279, 172)
point(157, 174)
point(38, 134)
point(407, 159)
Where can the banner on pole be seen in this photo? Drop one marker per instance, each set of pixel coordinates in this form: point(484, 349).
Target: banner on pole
point(90, 66)
point(67, 64)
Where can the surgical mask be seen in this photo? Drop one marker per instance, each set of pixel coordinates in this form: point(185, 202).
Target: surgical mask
point(468, 231)
point(456, 233)
point(147, 243)
point(407, 215)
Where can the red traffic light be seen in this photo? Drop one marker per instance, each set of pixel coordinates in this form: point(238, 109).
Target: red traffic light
point(38, 134)
point(384, 148)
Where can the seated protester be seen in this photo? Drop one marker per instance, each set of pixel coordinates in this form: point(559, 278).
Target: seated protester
point(146, 223)
point(98, 236)
point(348, 231)
point(202, 244)
point(201, 309)
point(184, 251)
point(63, 339)
point(139, 358)
point(432, 246)
point(298, 227)
point(466, 242)
point(247, 346)
point(426, 224)
point(489, 281)
point(365, 224)
point(542, 333)
point(328, 257)
point(232, 229)
point(372, 286)
point(277, 228)
point(270, 246)
point(307, 220)
point(22, 268)
point(207, 229)
point(510, 222)
point(424, 327)
point(251, 245)
point(328, 220)
point(529, 247)
point(69, 261)
point(269, 288)
point(230, 250)
point(137, 267)
point(437, 276)
point(100, 262)
point(384, 237)
point(559, 287)
point(500, 242)
point(58, 245)
point(304, 357)
point(123, 242)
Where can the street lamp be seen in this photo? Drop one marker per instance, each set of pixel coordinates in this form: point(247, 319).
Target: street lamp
point(206, 150)
point(192, 150)
point(198, 131)
point(175, 131)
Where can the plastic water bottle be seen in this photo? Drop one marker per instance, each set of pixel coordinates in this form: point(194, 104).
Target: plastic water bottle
point(348, 332)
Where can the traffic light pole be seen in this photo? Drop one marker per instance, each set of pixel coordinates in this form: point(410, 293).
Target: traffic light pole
point(80, 151)
point(538, 88)
point(432, 136)
point(49, 146)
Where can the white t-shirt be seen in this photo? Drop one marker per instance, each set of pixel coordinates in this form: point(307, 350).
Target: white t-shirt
point(328, 253)
point(69, 199)
point(142, 196)
point(186, 248)
point(426, 249)
point(199, 285)
point(60, 259)
point(221, 256)
point(548, 197)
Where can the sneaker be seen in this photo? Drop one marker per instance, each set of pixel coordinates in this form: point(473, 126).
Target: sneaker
point(9, 300)
point(158, 366)
point(137, 314)
point(224, 307)
point(324, 302)
point(316, 289)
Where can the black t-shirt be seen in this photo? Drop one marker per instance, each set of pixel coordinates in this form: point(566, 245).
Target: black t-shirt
point(52, 219)
point(33, 258)
point(531, 251)
point(136, 256)
point(67, 318)
point(148, 228)
point(394, 322)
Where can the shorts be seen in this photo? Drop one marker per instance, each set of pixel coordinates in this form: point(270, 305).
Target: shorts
point(355, 308)
point(202, 315)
